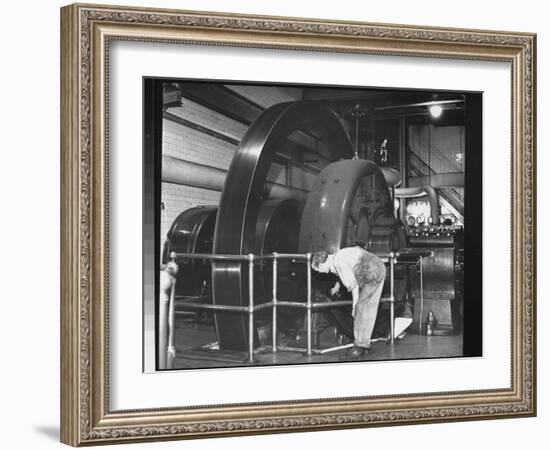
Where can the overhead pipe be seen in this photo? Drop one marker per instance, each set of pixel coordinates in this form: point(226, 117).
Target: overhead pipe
point(420, 191)
point(186, 173)
point(440, 180)
point(411, 105)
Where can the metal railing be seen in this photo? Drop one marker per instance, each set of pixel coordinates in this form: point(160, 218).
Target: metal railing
point(309, 305)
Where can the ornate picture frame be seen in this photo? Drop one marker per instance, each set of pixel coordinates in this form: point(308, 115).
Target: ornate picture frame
point(86, 34)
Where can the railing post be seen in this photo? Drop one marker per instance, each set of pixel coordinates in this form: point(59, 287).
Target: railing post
point(421, 296)
point(171, 350)
point(308, 305)
point(250, 308)
point(166, 338)
point(274, 311)
point(392, 298)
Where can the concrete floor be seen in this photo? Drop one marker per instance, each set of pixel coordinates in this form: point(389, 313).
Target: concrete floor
point(194, 349)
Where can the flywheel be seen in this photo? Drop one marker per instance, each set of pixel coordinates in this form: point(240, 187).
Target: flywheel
point(244, 192)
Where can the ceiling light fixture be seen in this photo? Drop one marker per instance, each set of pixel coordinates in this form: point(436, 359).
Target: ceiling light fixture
point(436, 110)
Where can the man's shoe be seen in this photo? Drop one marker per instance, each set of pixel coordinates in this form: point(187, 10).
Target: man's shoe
point(355, 353)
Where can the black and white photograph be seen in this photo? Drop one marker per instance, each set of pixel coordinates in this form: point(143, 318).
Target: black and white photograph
point(288, 221)
point(306, 224)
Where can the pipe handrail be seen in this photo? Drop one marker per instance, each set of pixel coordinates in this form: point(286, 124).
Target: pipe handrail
point(413, 253)
point(309, 305)
point(270, 256)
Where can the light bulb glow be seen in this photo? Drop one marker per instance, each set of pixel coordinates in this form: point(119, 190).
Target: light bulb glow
point(436, 110)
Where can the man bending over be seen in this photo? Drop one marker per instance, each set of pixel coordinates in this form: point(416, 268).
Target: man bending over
point(363, 274)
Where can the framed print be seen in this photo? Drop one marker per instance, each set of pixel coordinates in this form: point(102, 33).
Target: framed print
point(275, 224)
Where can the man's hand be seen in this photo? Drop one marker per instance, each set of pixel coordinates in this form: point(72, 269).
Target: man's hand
point(335, 289)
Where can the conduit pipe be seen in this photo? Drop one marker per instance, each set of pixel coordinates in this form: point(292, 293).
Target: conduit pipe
point(186, 173)
point(433, 198)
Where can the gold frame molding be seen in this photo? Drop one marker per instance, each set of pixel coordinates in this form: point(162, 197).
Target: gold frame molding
point(86, 31)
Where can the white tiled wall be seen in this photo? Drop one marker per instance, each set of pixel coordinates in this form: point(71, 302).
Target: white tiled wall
point(185, 143)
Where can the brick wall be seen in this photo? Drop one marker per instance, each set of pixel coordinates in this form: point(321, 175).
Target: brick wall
point(183, 142)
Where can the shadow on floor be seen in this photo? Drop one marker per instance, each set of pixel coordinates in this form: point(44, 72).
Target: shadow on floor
point(49, 431)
